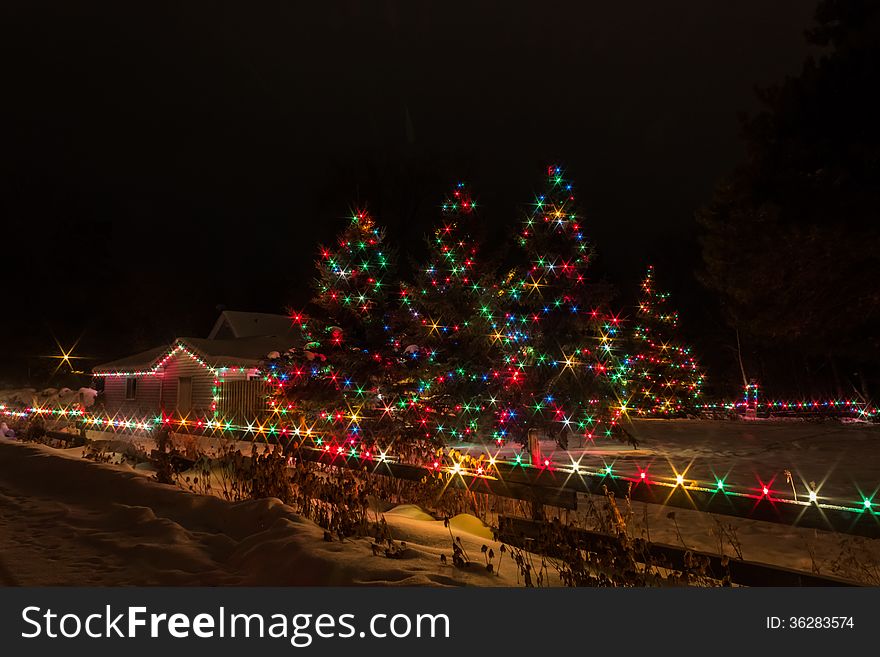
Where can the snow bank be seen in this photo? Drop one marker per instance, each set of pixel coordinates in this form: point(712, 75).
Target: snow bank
point(52, 397)
point(472, 525)
point(67, 521)
point(409, 511)
point(18, 396)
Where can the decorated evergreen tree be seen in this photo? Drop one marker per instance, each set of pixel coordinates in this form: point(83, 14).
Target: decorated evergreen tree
point(666, 379)
point(354, 280)
point(446, 328)
point(338, 383)
point(559, 369)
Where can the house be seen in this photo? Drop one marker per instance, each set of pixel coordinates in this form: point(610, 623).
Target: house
point(235, 324)
point(213, 378)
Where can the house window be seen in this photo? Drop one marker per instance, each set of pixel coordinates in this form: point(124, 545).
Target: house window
point(131, 386)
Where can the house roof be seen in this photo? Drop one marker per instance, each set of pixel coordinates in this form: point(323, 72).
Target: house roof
point(236, 324)
point(236, 352)
point(238, 339)
point(134, 363)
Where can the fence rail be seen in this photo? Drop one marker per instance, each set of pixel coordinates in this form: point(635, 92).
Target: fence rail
point(525, 533)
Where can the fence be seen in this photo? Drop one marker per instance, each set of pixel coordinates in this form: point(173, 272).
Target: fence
point(243, 401)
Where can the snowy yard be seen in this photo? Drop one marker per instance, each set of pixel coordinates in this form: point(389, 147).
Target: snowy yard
point(65, 520)
point(843, 459)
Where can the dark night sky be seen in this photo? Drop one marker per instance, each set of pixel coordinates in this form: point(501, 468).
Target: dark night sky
point(161, 158)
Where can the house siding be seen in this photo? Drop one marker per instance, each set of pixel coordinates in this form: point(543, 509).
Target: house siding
point(241, 397)
point(145, 402)
point(181, 365)
point(158, 392)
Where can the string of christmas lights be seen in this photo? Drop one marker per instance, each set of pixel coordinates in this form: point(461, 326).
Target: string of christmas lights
point(453, 462)
point(751, 401)
point(181, 347)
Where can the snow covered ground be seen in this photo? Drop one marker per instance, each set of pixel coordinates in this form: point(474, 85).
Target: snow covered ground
point(843, 459)
point(68, 521)
point(48, 397)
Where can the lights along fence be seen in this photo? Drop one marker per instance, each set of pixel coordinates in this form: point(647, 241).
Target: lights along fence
point(526, 533)
point(548, 482)
point(803, 409)
point(558, 486)
point(243, 400)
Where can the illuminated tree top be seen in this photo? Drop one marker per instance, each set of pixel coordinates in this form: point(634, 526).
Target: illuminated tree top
point(352, 277)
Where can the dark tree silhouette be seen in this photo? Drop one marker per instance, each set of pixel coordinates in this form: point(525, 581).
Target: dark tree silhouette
point(791, 241)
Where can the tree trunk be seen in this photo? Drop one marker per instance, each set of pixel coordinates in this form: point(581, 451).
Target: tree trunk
point(863, 384)
point(835, 372)
point(534, 448)
point(739, 355)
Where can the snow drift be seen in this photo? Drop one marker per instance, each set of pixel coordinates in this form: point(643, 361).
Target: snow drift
point(68, 521)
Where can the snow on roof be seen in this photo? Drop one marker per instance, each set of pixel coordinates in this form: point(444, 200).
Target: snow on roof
point(134, 363)
point(237, 324)
point(238, 352)
point(235, 352)
point(238, 339)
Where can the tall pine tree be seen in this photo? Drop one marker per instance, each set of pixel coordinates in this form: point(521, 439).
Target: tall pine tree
point(446, 328)
point(791, 241)
point(559, 368)
point(342, 383)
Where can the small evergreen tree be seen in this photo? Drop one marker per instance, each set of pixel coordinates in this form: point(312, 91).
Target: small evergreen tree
point(666, 379)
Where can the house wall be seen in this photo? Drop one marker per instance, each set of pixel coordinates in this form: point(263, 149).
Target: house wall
point(181, 365)
point(146, 401)
point(244, 399)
